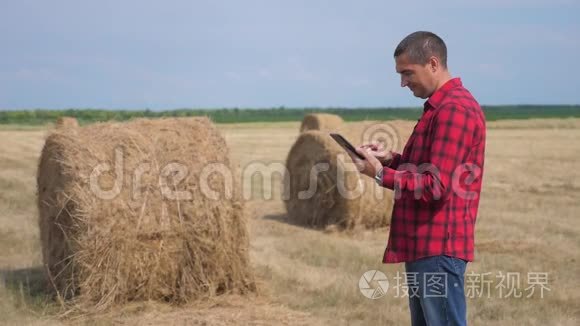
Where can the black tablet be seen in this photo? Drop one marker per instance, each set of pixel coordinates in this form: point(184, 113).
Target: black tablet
point(346, 145)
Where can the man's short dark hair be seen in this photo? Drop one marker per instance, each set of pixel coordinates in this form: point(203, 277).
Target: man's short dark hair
point(420, 46)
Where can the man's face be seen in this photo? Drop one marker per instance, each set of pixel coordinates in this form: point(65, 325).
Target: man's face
point(419, 78)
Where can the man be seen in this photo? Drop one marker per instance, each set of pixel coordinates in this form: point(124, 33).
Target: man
point(437, 183)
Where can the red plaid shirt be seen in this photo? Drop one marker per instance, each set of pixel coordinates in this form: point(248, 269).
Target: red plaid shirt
point(437, 179)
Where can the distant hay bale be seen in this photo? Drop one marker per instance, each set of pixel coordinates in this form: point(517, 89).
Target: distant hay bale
point(321, 121)
point(344, 205)
point(124, 215)
point(66, 122)
point(337, 194)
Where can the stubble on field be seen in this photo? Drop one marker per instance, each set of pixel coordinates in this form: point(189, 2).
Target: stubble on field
point(528, 222)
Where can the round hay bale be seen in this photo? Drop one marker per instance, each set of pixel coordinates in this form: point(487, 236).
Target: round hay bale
point(338, 194)
point(126, 213)
point(320, 121)
point(66, 122)
point(323, 187)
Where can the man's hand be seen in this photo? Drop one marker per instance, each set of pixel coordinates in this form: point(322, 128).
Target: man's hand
point(379, 151)
point(370, 165)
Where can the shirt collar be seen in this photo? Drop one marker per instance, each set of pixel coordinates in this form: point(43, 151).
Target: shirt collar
point(437, 97)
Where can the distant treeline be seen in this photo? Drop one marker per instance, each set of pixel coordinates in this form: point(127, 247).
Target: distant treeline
point(232, 115)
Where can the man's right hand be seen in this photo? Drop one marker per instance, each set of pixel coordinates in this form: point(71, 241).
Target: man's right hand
point(378, 151)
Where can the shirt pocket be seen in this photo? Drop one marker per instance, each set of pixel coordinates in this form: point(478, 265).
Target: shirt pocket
point(422, 128)
point(418, 145)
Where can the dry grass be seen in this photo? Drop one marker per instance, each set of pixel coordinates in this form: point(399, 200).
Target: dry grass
point(528, 221)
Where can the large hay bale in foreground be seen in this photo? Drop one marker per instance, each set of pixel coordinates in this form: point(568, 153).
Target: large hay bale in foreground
point(320, 121)
point(339, 195)
point(124, 214)
point(66, 122)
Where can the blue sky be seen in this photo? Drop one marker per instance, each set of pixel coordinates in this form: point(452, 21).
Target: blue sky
point(173, 54)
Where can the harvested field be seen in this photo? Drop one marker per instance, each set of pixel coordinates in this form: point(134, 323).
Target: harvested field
point(528, 223)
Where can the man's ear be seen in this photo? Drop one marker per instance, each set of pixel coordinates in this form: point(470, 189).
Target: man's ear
point(434, 64)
